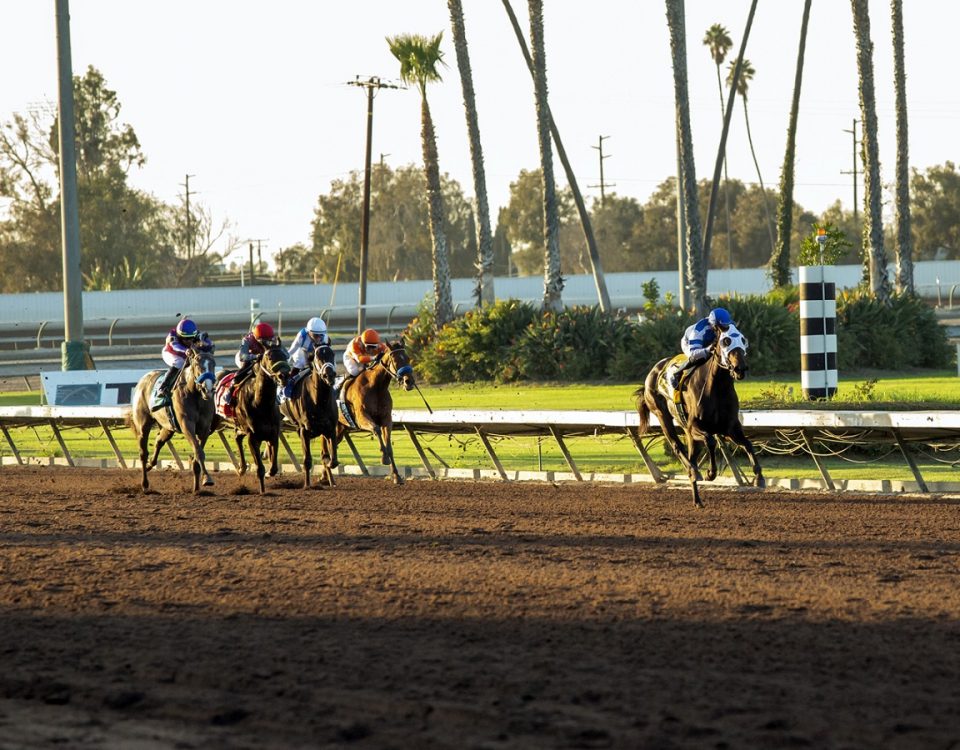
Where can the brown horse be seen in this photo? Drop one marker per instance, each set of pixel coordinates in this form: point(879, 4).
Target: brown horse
point(369, 401)
point(192, 404)
point(710, 403)
point(256, 413)
point(313, 409)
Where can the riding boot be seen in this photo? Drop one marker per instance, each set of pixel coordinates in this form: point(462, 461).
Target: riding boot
point(676, 372)
point(168, 380)
point(340, 382)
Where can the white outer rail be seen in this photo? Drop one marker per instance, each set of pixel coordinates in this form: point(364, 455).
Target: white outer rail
point(898, 427)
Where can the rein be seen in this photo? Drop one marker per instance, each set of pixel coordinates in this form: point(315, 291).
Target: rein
point(399, 373)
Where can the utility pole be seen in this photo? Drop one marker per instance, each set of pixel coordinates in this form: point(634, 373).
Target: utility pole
point(186, 193)
point(73, 352)
point(602, 184)
point(250, 241)
point(372, 84)
point(853, 132)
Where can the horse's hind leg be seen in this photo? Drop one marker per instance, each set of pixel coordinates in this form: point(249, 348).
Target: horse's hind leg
point(163, 437)
point(736, 434)
point(273, 453)
point(307, 457)
point(242, 468)
point(693, 456)
point(328, 446)
point(144, 440)
point(255, 444)
point(712, 453)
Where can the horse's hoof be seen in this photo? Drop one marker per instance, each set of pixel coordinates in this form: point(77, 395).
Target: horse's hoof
point(384, 460)
point(397, 479)
point(333, 464)
point(760, 482)
point(273, 472)
point(711, 475)
point(208, 482)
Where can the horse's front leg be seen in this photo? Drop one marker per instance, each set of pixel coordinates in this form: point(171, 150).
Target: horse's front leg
point(196, 464)
point(693, 457)
point(163, 437)
point(255, 447)
point(144, 450)
point(737, 435)
point(307, 457)
point(328, 448)
point(207, 479)
point(386, 452)
point(711, 442)
point(273, 453)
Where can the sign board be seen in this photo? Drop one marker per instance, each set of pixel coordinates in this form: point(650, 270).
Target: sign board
point(90, 387)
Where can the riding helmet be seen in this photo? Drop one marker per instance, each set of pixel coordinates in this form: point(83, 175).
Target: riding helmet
point(720, 318)
point(370, 337)
point(187, 329)
point(263, 332)
point(316, 327)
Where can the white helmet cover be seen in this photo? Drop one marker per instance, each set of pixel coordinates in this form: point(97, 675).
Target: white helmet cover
point(316, 325)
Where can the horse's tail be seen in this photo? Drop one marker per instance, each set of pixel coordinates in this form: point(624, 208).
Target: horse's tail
point(642, 409)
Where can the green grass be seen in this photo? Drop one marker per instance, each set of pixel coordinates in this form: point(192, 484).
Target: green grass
point(605, 454)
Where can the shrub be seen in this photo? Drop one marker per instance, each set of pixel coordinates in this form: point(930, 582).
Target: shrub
point(772, 330)
point(647, 343)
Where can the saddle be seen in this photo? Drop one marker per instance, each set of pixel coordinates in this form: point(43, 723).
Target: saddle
point(164, 404)
point(675, 399)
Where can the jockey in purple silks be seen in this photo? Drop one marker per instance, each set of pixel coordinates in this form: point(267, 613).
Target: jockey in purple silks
point(180, 340)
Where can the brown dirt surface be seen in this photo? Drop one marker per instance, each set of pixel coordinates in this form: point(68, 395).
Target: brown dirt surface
point(471, 615)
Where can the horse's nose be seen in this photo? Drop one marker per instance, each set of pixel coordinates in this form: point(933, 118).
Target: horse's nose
point(408, 383)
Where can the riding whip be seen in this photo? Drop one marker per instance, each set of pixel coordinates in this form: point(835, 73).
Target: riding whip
point(424, 399)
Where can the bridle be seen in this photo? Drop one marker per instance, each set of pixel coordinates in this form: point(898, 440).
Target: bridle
point(387, 361)
point(272, 367)
point(728, 342)
point(319, 363)
point(205, 363)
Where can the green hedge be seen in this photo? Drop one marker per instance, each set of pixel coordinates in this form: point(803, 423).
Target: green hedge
point(513, 340)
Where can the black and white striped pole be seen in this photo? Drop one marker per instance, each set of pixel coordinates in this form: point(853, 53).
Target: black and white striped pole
point(818, 328)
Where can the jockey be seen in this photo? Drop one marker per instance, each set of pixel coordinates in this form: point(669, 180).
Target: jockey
point(359, 354)
point(180, 340)
point(255, 343)
point(697, 342)
point(308, 338)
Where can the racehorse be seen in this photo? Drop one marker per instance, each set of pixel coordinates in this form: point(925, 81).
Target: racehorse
point(256, 413)
point(710, 404)
point(369, 401)
point(192, 405)
point(313, 409)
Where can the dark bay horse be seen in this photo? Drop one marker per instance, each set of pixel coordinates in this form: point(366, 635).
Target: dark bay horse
point(256, 413)
point(370, 403)
point(710, 402)
point(192, 403)
point(313, 409)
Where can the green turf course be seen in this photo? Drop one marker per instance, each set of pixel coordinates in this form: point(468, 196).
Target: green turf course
point(867, 391)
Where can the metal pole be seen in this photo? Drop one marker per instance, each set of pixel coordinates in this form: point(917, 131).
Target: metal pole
point(74, 351)
point(365, 223)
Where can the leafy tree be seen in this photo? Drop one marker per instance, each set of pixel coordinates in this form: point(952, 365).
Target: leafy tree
point(420, 58)
point(936, 212)
point(522, 219)
point(617, 222)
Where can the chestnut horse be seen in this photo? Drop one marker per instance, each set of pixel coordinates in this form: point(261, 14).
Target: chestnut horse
point(192, 403)
point(711, 406)
point(256, 413)
point(369, 401)
point(313, 409)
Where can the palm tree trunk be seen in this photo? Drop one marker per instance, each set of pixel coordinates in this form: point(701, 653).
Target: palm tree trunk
point(763, 190)
point(599, 281)
point(485, 292)
point(904, 240)
point(726, 179)
point(552, 280)
point(873, 223)
point(696, 280)
point(707, 236)
point(442, 294)
point(780, 260)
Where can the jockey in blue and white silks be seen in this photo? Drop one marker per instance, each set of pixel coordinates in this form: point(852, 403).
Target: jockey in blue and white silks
point(179, 341)
point(697, 340)
point(308, 338)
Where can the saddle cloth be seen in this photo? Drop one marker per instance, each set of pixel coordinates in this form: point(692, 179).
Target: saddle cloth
point(159, 403)
point(220, 396)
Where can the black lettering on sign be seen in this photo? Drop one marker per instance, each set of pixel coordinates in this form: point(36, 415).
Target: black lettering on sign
point(124, 391)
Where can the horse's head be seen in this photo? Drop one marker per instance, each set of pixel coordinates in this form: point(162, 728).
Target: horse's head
point(275, 364)
point(397, 363)
point(202, 368)
point(324, 363)
point(731, 351)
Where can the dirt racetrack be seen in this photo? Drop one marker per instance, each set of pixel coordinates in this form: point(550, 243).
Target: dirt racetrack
point(472, 615)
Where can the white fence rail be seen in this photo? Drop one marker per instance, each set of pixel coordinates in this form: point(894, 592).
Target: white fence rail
point(814, 433)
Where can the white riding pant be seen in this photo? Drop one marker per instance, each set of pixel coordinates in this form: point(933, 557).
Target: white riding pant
point(174, 360)
point(353, 367)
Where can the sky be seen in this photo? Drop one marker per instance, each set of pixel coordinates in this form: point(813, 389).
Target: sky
point(252, 99)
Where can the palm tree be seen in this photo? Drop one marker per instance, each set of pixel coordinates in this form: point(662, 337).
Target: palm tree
point(743, 84)
point(485, 293)
point(419, 58)
point(718, 41)
point(715, 183)
point(603, 297)
point(875, 256)
point(780, 260)
point(552, 280)
point(904, 240)
point(695, 281)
